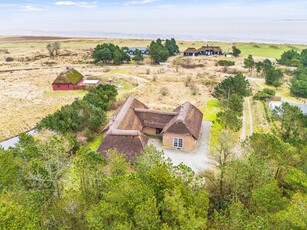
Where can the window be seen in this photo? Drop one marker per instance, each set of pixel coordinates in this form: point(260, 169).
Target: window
point(178, 142)
point(58, 86)
point(67, 86)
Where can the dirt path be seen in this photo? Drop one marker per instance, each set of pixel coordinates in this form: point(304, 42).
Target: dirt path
point(251, 127)
point(247, 120)
point(243, 132)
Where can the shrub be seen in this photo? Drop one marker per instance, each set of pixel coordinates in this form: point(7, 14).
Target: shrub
point(264, 94)
point(192, 66)
point(106, 69)
point(187, 81)
point(9, 59)
point(164, 91)
point(194, 88)
point(225, 63)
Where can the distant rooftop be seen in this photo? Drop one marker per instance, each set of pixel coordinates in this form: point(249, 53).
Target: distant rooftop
point(275, 104)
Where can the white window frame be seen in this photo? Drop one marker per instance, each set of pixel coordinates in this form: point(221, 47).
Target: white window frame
point(178, 142)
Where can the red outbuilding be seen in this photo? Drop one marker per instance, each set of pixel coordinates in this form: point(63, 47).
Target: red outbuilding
point(69, 79)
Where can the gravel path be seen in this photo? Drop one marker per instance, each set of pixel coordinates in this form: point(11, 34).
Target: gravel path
point(197, 160)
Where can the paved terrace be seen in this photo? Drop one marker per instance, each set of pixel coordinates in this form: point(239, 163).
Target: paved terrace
point(197, 160)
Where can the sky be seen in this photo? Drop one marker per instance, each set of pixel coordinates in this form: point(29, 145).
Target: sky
point(272, 20)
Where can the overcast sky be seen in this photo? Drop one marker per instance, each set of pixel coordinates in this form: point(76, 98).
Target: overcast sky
point(153, 16)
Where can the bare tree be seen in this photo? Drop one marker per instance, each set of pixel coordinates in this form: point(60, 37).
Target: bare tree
point(54, 48)
point(50, 49)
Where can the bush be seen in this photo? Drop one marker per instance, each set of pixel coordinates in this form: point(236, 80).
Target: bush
point(225, 63)
point(9, 59)
point(164, 91)
point(192, 66)
point(265, 94)
point(194, 88)
point(86, 114)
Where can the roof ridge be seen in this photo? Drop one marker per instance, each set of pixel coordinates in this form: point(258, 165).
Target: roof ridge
point(121, 114)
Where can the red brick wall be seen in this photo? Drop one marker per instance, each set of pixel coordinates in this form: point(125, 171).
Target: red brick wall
point(189, 142)
point(63, 86)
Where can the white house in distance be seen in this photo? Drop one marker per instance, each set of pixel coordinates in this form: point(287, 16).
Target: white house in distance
point(275, 104)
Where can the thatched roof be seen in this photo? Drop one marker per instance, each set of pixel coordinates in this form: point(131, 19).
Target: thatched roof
point(69, 75)
point(124, 131)
point(130, 145)
point(210, 48)
point(188, 121)
point(154, 118)
point(191, 50)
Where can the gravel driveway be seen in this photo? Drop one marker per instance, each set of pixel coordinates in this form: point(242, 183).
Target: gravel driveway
point(197, 160)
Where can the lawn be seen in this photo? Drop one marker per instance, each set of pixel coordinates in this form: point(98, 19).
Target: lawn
point(210, 112)
point(93, 145)
point(267, 50)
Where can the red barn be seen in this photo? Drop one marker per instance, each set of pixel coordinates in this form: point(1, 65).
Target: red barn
point(69, 79)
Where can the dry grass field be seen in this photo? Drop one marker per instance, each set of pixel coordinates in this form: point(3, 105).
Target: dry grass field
point(26, 95)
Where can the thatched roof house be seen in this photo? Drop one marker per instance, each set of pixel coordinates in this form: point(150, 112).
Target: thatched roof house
point(204, 50)
point(190, 52)
point(133, 121)
point(68, 79)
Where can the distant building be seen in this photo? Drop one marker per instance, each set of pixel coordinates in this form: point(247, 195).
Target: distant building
point(204, 51)
point(276, 104)
point(133, 122)
point(69, 79)
point(143, 50)
point(190, 52)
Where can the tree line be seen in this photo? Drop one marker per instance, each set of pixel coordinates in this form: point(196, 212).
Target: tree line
point(299, 80)
point(158, 51)
point(231, 92)
point(274, 76)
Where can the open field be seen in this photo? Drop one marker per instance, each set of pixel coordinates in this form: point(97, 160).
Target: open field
point(27, 96)
point(255, 49)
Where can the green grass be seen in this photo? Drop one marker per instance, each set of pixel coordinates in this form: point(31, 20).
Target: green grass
point(266, 50)
point(211, 110)
point(209, 113)
point(93, 145)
